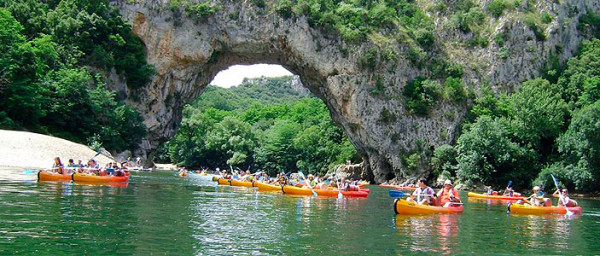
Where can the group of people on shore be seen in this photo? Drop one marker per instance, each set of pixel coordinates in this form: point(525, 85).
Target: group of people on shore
point(92, 168)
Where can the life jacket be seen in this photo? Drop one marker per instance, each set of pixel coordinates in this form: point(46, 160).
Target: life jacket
point(445, 196)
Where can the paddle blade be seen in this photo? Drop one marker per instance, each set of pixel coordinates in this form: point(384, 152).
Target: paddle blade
point(396, 193)
point(29, 171)
point(314, 193)
point(340, 196)
point(509, 183)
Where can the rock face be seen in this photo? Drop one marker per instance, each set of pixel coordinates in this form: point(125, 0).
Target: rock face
point(187, 53)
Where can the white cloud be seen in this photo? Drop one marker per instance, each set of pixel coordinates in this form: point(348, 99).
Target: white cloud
point(234, 75)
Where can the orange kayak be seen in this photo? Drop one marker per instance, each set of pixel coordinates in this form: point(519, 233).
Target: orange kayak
point(267, 187)
point(528, 209)
point(402, 206)
point(292, 190)
point(80, 177)
point(53, 176)
point(241, 183)
point(477, 195)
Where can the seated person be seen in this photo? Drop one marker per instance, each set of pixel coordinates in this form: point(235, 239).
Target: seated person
point(448, 194)
point(537, 198)
point(564, 199)
point(423, 194)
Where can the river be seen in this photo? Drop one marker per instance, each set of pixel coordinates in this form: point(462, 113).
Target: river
point(161, 214)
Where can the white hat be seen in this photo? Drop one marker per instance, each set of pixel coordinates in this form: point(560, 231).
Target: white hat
point(447, 182)
point(536, 188)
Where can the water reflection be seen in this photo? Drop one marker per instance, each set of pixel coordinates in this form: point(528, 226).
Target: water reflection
point(538, 230)
point(428, 233)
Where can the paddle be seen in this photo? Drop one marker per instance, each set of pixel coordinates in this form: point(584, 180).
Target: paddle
point(562, 198)
point(307, 183)
point(506, 191)
point(29, 171)
point(396, 193)
point(340, 196)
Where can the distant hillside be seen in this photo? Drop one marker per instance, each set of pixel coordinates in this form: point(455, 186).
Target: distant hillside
point(264, 90)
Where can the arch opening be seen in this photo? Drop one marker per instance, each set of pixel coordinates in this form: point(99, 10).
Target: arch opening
point(259, 117)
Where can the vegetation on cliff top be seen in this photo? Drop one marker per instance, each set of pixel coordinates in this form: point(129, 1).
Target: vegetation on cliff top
point(50, 56)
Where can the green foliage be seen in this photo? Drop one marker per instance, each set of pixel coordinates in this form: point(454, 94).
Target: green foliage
point(468, 21)
point(444, 160)
point(581, 70)
point(546, 18)
point(454, 89)
point(43, 86)
point(532, 23)
point(496, 7)
point(420, 95)
point(369, 59)
point(589, 23)
point(551, 125)
point(580, 146)
point(201, 11)
point(487, 154)
point(284, 8)
point(276, 128)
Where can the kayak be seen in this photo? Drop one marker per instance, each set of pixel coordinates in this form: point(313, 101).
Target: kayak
point(402, 206)
point(224, 181)
point(267, 187)
point(292, 190)
point(399, 187)
point(477, 195)
point(80, 177)
point(528, 209)
point(53, 176)
point(240, 183)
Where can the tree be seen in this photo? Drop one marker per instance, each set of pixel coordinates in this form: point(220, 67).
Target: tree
point(487, 154)
point(235, 138)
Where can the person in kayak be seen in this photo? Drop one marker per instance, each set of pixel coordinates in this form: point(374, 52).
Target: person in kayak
point(58, 166)
point(508, 191)
point(537, 198)
point(424, 194)
point(448, 194)
point(565, 198)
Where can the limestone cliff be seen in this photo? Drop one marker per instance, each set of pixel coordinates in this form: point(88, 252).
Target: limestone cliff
point(361, 86)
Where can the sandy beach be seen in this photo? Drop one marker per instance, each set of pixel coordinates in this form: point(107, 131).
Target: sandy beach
point(26, 150)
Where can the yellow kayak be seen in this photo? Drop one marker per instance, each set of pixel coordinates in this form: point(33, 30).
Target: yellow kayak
point(498, 197)
point(402, 206)
point(267, 187)
point(224, 181)
point(240, 183)
point(528, 209)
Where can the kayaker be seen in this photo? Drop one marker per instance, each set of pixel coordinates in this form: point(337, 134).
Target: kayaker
point(58, 166)
point(424, 194)
point(448, 194)
point(564, 197)
point(537, 198)
point(509, 191)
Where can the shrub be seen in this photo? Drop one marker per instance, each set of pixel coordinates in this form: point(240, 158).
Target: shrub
point(496, 7)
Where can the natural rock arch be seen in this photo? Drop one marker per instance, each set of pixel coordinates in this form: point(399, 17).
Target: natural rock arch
point(188, 53)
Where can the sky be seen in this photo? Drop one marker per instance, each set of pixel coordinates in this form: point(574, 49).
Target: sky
point(234, 75)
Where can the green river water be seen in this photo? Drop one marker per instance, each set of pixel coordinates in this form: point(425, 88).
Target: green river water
point(160, 214)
